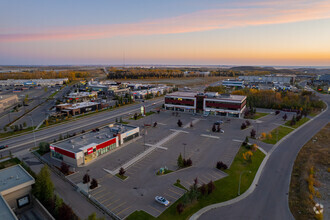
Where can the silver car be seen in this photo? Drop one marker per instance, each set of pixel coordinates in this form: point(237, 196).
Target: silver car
point(162, 200)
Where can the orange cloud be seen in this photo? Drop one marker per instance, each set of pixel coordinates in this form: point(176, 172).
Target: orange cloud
point(257, 13)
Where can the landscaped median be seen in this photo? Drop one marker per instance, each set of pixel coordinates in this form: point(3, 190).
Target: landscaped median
point(278, 133)
point(225, 188)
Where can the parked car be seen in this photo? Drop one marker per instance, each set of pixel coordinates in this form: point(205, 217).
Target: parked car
point(3, 147)
point(162, 200)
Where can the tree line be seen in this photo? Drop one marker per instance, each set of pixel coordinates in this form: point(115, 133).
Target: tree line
point(71, 75)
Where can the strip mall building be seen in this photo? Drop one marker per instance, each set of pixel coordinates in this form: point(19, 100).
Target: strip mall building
point(213, 103)
point(85, 148)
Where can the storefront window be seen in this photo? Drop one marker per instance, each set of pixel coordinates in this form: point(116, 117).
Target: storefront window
point(57, 155)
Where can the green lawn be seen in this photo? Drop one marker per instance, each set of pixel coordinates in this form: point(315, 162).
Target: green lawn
point(277, 134)
point(226, 188)
point(9, 163)
point(299, 123)
point(121, 177)
point(180, 186)
point(259, 115)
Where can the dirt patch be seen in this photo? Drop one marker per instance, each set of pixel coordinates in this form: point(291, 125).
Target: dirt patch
point(310, 177)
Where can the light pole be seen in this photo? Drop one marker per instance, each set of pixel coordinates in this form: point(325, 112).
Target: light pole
point(184, 150)
point(34, 135)
point(239, 182)
point(88, 180)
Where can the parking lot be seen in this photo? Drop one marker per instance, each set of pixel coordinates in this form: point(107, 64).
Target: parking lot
point(199, 143)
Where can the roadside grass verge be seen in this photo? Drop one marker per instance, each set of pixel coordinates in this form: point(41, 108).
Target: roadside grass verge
point(298, 123)
point(11, 133)
point(277, 134)
point(140, 116)
point(259, 115)
point(225, 188)
point(312, 156)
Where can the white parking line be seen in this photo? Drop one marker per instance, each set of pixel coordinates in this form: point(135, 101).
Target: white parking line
point(210, 136)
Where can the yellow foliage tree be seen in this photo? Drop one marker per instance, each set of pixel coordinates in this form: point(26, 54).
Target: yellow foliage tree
point(255, 147)
point(269, 136)
point(247, 155)
point(263, 135)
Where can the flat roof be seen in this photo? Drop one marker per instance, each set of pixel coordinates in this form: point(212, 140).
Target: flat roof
point(183, 94)
point(82, 104)
point(91, 138)
point(13, 176)
point(5, 211)
point(229, 97)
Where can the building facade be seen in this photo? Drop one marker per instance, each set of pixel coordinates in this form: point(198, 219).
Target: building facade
point(7, 101)
point(207, 103)
point(86, 147)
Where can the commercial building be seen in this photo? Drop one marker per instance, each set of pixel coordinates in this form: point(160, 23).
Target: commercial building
point(7, 101)
point(77, 108)
point(15, 191)
point(285, 79)
point(33, 82)
point(85, 148)
point(81, 96)
point(207, 103)
point(233, 83)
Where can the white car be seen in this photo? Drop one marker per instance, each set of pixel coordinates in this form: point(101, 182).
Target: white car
point(162, 200)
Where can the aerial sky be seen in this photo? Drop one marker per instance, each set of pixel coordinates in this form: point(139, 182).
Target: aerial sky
point(178, 32)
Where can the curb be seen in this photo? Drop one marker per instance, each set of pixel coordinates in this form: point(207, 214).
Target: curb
point(250, 190)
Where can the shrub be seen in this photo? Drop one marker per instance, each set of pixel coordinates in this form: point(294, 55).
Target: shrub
point(65, 168)
point(243, 126)
point(188, 162)
point(221, 165)
point(210, 187)
point(122, 171)
point(248, 123)
point(203, 189)
point(277, 112)
point(263, 135)
point(94, 184)
point(180, 208)
point(44, 147)
point(214, 129)
point(269, 136)
point(253, 133)
point(179, 123)
point(86, 178)
point(180, 161)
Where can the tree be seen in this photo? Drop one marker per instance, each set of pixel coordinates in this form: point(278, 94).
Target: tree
point(180, 208)
point(187, 163)
point(44, 187)
point(277, 112)
point(221, 165)
point(248, 123)
point(65, 168)
point(255, 147)
point(246, 141)
point(94, 217)
point(135, 116)
point(253, 133)
point(285, 117)
point(44, 147)
point(180, 161)
point(243, 126)
point(218, 128)
point(263, 135)
point(210, 187)
point(86, 178)
point(203, 189)
point(269, 136)
point(24, 124)
point(248, 155)
point(122, 171)
point(179, 123)
point(94, 184)
point(65, 212)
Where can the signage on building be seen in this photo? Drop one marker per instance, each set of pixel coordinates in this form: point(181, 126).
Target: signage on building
point(89, 150)
point(51, 147)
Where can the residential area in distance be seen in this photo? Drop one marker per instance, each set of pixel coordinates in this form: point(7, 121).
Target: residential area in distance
point(164, 110)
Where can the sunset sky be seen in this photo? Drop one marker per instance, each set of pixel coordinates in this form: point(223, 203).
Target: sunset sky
point(192, 32)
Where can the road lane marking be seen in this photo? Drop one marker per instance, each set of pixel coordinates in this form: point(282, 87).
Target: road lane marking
point(103, 195)
point(210, 136)
point(99, 192)
point(170, 196)
point(112, 203)
point(123, 210)
point(155, 209)
point(175, 192)
point(107, 199)
point(118, 206)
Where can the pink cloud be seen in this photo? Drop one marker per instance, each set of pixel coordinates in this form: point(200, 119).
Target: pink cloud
point(258, 13)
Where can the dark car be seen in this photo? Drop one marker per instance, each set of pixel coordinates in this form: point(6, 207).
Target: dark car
point(3, 146)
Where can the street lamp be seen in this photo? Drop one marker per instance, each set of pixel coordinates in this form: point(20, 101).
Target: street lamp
point(184, 150)
point(34, 135)
point(239, 182)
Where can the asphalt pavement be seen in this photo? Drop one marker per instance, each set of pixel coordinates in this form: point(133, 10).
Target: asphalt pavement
point(269, 200)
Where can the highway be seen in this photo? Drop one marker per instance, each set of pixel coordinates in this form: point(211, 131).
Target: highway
point(270, 198)
point(26, 141)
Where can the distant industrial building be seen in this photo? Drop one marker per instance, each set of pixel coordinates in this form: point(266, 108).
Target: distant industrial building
point(85, 148)
point(268, 79)
point(233, 83)
point(7, 101)
point(33, 82)
point(15, 191)
point(213, 103)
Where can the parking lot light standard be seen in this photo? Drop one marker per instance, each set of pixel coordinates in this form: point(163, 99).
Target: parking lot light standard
point(239, 182)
